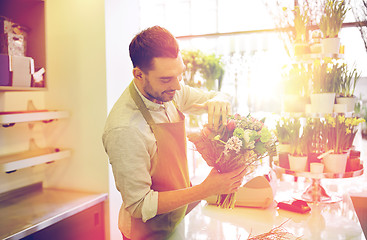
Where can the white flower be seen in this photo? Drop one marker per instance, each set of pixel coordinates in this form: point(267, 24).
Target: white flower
point(234, 143)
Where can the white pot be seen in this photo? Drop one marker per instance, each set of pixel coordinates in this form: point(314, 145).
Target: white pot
point(297, 163)
point(340, 108)
point(335, 163)
point(348, 101)
point(322, 102)
point(316, 167)
point(330, 45)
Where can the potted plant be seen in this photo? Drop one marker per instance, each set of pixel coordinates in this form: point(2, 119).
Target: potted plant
point(340, 132)
point(301, 21)
point(193, 60)
point(325, 78)
point(282, 130)
point(330, 24)
point(212, 70)
point(295, 88)
point(209, 66)
point(298, 146)
point(348, 83)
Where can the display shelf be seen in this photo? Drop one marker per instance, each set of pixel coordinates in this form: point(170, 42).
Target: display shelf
point(316, 192)
point(20, 89)
point(10, 118)
point(12, 162)
point(310, 57)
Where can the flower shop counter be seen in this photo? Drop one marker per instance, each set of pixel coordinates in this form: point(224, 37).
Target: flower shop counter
point(47, 213)
point(325, 221)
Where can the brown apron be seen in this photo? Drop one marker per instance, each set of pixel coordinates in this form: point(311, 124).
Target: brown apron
point(171, 172)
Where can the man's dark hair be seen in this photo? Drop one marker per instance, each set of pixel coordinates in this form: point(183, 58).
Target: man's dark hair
point(151, 43)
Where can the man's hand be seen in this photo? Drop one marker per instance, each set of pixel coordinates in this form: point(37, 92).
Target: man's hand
point(216, 110)
point(223, 183)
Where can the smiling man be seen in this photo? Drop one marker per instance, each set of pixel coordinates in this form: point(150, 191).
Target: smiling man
point(145, 140)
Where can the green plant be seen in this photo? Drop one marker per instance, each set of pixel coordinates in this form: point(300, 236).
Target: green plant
point(283, 130)
point(297, 138)
point(193, 60)
point(332, 19)
point(348, 81)
point(312, 135)
point(301, 20)
point(326, 76)
point(296, 79)
point(210, 66)
point(212, 69)
point(340, 132)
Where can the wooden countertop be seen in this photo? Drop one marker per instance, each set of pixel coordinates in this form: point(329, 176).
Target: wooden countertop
point(25, 214)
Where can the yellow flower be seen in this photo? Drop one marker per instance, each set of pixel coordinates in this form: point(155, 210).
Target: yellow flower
point(341, 119)
point(330, 120)
point(349, 121)
point(348, 131)
point(217, 137)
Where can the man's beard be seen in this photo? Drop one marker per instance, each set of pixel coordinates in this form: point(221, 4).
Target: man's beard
point(161, 97)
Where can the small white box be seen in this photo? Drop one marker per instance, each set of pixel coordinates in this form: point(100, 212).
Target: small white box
point(21, 69)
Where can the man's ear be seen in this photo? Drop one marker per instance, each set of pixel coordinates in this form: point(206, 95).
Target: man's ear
point(138, 73)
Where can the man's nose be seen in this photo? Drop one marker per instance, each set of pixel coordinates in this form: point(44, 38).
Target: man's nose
point(176, 83)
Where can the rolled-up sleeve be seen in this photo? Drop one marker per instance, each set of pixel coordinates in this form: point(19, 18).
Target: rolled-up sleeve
point(130, 160)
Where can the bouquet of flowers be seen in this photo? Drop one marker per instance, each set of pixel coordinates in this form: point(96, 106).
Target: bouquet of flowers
point(243, 142)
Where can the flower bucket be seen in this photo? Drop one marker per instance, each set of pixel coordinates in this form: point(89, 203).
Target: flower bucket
point(348, 101)
point(283, 151)
point(297, 163)
point(335, 163)
point(330, 45)
point(322, 102)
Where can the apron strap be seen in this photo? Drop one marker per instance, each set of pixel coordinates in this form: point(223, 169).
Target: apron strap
point(141, 106)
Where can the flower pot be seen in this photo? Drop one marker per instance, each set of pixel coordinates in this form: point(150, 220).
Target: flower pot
point(316, 167)
point(312, 158)
point(283, 151)
point(301, 49)
point(297, 163)
point(340, 108)
point(293, 103)
point(322, 102)
point(348, 101)
point(330, 45)
point(335, 163)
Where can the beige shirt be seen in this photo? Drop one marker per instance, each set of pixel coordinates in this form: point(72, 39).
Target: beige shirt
point(131, 147)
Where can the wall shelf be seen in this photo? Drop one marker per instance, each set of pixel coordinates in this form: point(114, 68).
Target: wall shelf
point(12, 162)
point(10, 118)
point(20, 89)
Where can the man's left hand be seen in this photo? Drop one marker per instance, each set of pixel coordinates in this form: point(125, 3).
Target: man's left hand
point(216, 110)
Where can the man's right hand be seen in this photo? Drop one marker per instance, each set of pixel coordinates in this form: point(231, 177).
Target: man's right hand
point(223, 183)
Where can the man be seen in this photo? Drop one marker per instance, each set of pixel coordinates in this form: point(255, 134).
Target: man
point(145, 140)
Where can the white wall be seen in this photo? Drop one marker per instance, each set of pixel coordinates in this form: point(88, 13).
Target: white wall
point(76, 74)
point(122, 23)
